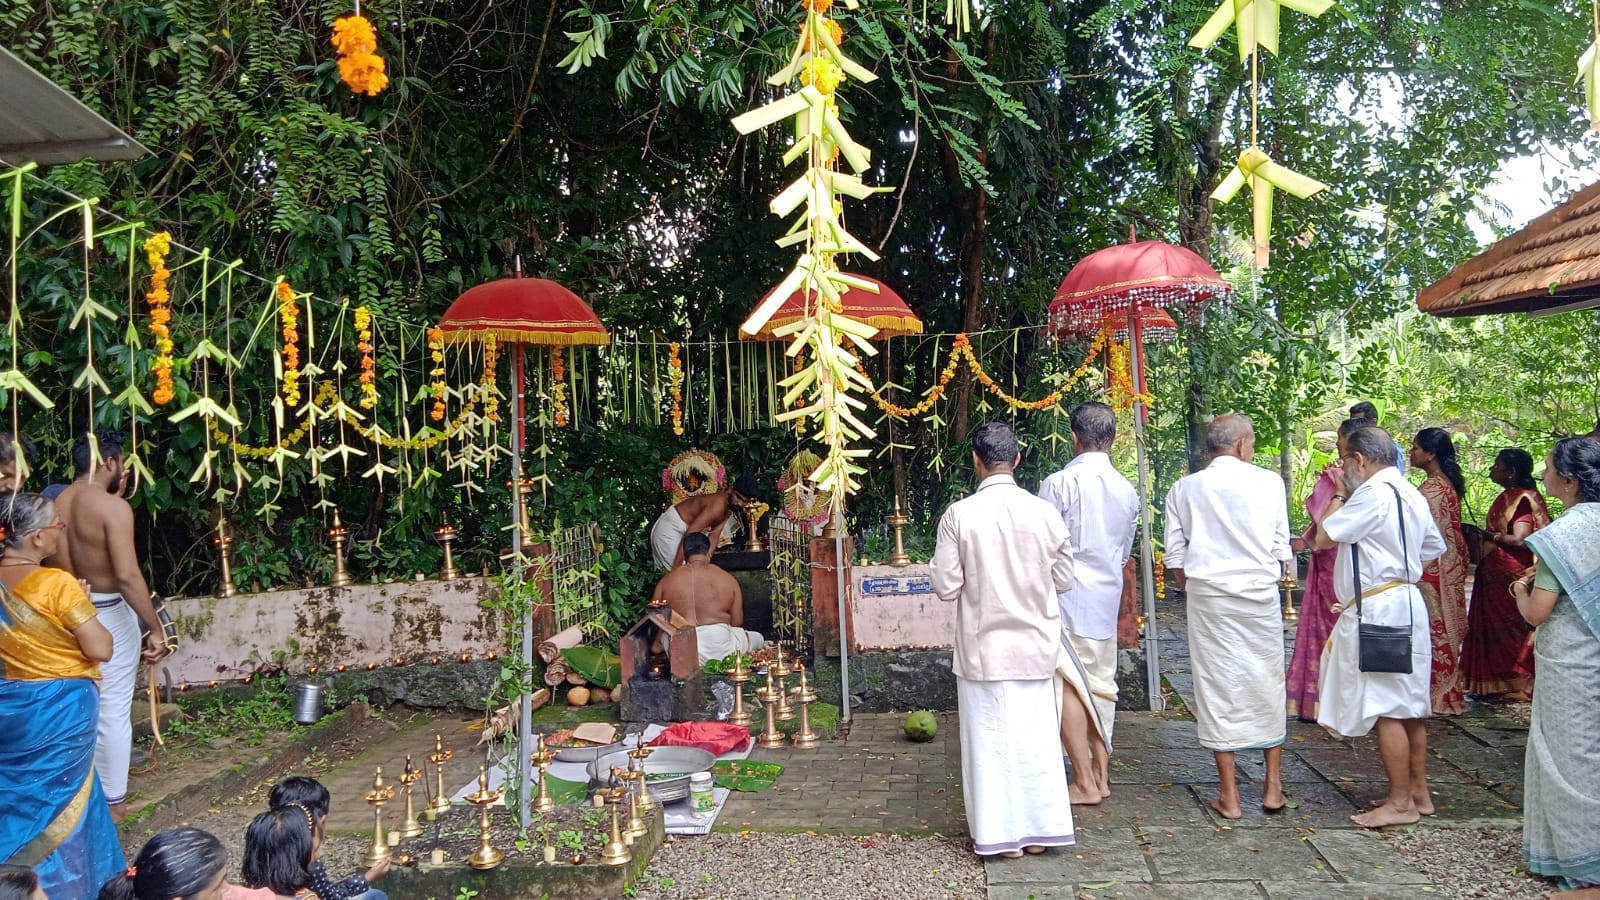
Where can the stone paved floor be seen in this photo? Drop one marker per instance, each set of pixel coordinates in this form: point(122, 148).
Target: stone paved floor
point(1155, 837)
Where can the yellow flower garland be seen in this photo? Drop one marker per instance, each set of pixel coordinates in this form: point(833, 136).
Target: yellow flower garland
point(1123, 395)
point(961, 351)
point(676, 374)
point(369, 375)
point(360, 66)
point(491, 356)
point(326, 395)
point(156, 248)
point(437, 387)
point(558, 388)
point(289, 317)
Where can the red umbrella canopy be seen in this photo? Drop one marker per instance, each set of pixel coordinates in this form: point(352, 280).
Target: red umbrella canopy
point(884, 310)
point(1138, 275)
point(525, 311)
point(1155, 324)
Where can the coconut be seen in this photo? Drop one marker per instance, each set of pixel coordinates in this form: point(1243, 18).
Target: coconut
point(921, 726)
point(579, 696)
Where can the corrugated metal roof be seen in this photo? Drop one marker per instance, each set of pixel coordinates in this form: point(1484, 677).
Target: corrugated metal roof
point(40, 122)
point(1553, 263)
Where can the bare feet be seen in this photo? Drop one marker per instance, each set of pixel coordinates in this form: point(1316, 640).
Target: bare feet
point(1012, 854)
point(1592, 893)
point(1227, 811)
point(1272, 799)
point(1033, 851)
point(1387, 814)
point(1423, 803)
point(1083, 796)
point(1105, 791)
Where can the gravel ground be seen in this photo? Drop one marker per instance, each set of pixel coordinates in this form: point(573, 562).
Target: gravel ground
point(1471, 862)
point(817, 867)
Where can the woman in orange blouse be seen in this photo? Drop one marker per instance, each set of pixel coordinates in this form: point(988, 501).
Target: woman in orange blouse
point(53, 815)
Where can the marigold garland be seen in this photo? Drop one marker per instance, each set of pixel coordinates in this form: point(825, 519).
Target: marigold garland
point(1123, 395)
point(961, 351)
point(1159, 576)
point(360, 66)
point(437, 387)
point(289, 318)
point(835, 31)
point(369, 374)
point(558, 388)
point(327, 394)
point(156, 248)
point(799, 366)
point(822, 73)
point(675, 365)
point(491, 356)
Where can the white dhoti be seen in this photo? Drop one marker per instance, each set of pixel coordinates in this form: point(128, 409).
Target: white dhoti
point(666, 536)
point(1350, 700)
point(1093, 679)
point(719, 641)
point(114, 737)
point(1236, 652)
point(1011, 773)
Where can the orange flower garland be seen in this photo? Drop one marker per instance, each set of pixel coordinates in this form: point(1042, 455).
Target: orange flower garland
point(156, 248)
point(369, 375)
point(491, 356)
point(817, 6)
point(961, 351)
point(360, 66)
point(437, 388)
point(799, 366)
point(289, 318)
point(675, 364)
point(1123, 396)
point(558, 388)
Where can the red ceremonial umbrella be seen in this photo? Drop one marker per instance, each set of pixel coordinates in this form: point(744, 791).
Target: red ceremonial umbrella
point(522, 311)
point(1128, 281)
point(1155, 324)
point(884, 310)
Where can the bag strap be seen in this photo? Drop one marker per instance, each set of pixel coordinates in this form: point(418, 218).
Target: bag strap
point(1405, 559)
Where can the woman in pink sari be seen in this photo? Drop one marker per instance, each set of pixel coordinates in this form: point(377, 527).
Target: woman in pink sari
point(1497, 635)
point(1316, 606)
point(1444, 580)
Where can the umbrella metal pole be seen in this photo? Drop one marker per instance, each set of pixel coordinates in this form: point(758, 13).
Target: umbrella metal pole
point(524, 761)
point(1146, 559)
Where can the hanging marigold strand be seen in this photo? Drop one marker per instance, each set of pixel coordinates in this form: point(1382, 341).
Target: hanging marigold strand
point(961, 351)
point(437, 387)
point(491, 356)
point(369, 374)
point(558, 388)
point(289, 318)
point(360, 66)
point(1123, 395)
point(156, 248)
point(675, 365)
point(326, 395)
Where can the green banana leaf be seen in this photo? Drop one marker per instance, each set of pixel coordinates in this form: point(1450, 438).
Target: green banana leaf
point(745, 775)
point(602, 669)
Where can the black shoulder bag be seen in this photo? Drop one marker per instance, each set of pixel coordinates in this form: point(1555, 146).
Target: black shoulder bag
point(1384, 648)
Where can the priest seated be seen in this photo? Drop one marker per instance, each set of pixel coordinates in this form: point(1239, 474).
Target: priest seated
point(709, 599)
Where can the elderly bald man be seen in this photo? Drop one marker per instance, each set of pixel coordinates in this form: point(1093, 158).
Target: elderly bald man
point(1228, 545)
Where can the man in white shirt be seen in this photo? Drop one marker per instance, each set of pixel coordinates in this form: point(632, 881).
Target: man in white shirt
point(1100, 509)
point(1002, 555)
point(1228, 545)
point(1366, 522)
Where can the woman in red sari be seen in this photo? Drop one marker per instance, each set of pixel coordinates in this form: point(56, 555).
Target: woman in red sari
point(1316, 606)
point(1496, 632)
point(1444, 580)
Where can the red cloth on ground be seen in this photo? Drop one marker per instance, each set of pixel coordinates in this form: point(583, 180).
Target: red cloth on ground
point(717, 737)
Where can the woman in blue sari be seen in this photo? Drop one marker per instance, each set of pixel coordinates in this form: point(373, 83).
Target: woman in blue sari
point(1561, 794)
point(53, 816)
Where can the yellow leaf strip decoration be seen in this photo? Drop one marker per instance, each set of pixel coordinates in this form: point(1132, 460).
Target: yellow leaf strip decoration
point(1263, 175)
point(1257, 21)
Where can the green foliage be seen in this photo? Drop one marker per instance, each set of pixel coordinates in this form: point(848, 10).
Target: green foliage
point(222, 714)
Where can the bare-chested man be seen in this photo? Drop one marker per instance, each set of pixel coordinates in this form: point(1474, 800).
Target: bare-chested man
point(706, 513)
point(98, 548)
point(709, 599)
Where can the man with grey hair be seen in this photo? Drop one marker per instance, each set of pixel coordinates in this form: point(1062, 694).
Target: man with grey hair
point(1228, 546)
point(1001, 557)
point(1100, 509)
point(1385, 534)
